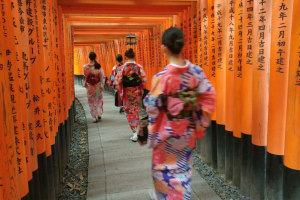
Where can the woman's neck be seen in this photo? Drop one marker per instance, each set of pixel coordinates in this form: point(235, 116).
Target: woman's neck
point(130, 60)
point(177, 60)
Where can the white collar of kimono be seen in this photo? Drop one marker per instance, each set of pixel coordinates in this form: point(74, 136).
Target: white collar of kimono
point(130, 62)
point(187, 63)
point(91, 64)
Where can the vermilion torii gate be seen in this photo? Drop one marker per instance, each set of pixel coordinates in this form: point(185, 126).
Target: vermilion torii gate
point(250, 50)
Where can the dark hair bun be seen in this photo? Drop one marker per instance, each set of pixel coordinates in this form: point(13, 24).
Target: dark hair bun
point(179, 44)
point(119, 58)
point(93, 57)
point(173, 39)
point(130, 53)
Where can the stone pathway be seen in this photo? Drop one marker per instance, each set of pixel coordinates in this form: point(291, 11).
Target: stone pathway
point(118, 168)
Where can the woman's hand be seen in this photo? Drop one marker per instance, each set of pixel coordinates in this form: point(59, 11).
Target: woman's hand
point(84, 84)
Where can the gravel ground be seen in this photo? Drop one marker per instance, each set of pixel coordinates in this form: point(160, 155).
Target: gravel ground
point(76, 175)
point(216, 182)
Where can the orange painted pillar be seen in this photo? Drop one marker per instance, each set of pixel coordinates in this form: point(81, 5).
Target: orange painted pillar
point(151, 53)
point(205, 14)
point(204, 37)
point(205, 143)
point(16, 81)
point(238, 80)
point(21, 35)
point(280, 50)
point(35, 68)
point(9, 186)
point(220, 80)
point(2, 149)
point(199, 38)
point(3, 176)
point(190, 37)
point(229, 120)
point(78, 67)
point(31, 154)
point(246, 95)
point(148, 56)
point(52, 106)
point(44, 96)
point(35, 105)
point(23, 88)
point(185, 25)
point(291, 181)
point(262, 41)
point(212, 76)
point(156, 49)
point(211, 44)
point(57, 96)
point(2, 146)
point(194, 34)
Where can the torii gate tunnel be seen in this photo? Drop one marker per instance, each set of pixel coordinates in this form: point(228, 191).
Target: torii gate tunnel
point(249, 49)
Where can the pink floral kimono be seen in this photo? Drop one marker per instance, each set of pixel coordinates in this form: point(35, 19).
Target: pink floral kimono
point(180, 105)
point(131, 96)
point(95, 92)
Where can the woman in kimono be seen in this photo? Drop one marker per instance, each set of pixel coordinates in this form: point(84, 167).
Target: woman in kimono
point(130, 81)
point(118, 101)
point(94, 84)
point(180, 105)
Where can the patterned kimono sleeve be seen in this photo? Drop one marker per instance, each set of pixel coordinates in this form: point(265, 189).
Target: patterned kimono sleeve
point(113, 72)
point(111, 78)
point(84, 71)
point(144, 78)
point(118, 81)
point(206, 103)
point(153, 106)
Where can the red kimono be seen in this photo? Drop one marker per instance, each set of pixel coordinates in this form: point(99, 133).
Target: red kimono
point(131, 96)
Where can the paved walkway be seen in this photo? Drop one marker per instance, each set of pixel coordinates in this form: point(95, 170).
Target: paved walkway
point(118, 168)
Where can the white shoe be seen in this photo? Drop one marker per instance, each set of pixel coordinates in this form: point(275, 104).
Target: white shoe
point(134, 137)
point(152, 194)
